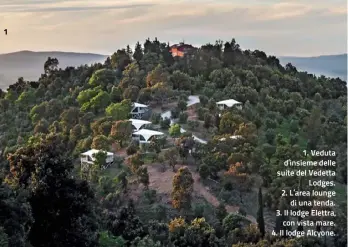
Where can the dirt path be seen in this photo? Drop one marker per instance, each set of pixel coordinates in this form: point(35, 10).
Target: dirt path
point(200, 189)
point(162, 182)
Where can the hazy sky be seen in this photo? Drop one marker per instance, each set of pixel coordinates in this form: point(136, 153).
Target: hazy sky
point(280, 27)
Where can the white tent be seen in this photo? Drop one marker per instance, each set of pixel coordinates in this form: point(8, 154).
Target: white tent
point(138, 110)
point(139, 105)
point(88, 157)
point(231, 137)
point(138, 123)
point(228, 103)
point(145, 135)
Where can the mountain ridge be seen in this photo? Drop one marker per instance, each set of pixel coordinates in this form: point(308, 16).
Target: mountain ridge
point(29, 64)
point(328, 65)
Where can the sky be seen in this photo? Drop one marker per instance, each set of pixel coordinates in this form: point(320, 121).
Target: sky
point(278, 27)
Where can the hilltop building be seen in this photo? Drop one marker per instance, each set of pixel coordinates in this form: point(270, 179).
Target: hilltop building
point(179, 50)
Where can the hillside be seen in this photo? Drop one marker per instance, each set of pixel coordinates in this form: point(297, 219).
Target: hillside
point(29, 65)
point(330, 66)
point(206, 168)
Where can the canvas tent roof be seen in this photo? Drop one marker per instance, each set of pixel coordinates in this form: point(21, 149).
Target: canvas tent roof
point(139, 105)
point(147, 133)
point(94, 151)
point(228, 102)
point(231, 137)
point(137, 123)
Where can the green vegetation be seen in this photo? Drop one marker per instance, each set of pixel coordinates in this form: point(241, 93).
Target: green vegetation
point(47, 200)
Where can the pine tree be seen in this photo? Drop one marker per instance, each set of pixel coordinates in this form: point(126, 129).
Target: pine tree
point(260, 219)
point(129, 51)
point(182, 189)
point(138, 52)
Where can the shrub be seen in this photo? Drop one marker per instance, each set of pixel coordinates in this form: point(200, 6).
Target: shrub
point(228, 186)
point(155, 118)
point(183, 117)
point(193, 124)
point(165, 124)
point(204, 171)
point(132, 148)
point(175, 113)
point(241, 211)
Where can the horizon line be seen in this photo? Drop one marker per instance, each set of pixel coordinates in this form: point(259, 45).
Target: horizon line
point(100, 54)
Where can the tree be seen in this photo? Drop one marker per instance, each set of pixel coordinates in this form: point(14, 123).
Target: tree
point(157, 75)
point(121, 131)
point(100, 142)
point(41, 127)
point(147, 241)
point(116, 94)
point(161, 92)
point(122, 179)
point(182, 189)
point(313, 127)
point(26, 99)
point(106, 240)
point(134, 162)
point(98, 103)
point(204, 171)
point(197, 233)
point(62, 207)
point(86, 95)
point(231, 222)
point(132, 76)
point(221, 77)
point(15, 217)
point(180, 80)
point(207, 121)
point(221, 212)
point(260, 219)
point(174, 130)
point(270, 135)
point(124, 222)
point(70, 117)
point(143, 176)
point(182, 105)
point(229, 123)
point(131, 93)
point(50, 65)
point(138, 52)
point(269, 151)
point(102, 77)
point(172, 155)
point(120, 59)
point(145, 95)
point(236, 174)
point(94, 170)
point(119, 111)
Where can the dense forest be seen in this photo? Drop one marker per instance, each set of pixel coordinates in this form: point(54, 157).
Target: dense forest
point(47, 200)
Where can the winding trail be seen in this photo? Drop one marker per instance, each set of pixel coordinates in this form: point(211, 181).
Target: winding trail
point(199, 188)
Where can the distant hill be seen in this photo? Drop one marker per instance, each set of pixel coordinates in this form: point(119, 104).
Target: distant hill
point(330, 66)
point(29, 65)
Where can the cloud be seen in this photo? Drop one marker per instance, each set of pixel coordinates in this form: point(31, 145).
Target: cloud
point(62, 6)
point(278, 27)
